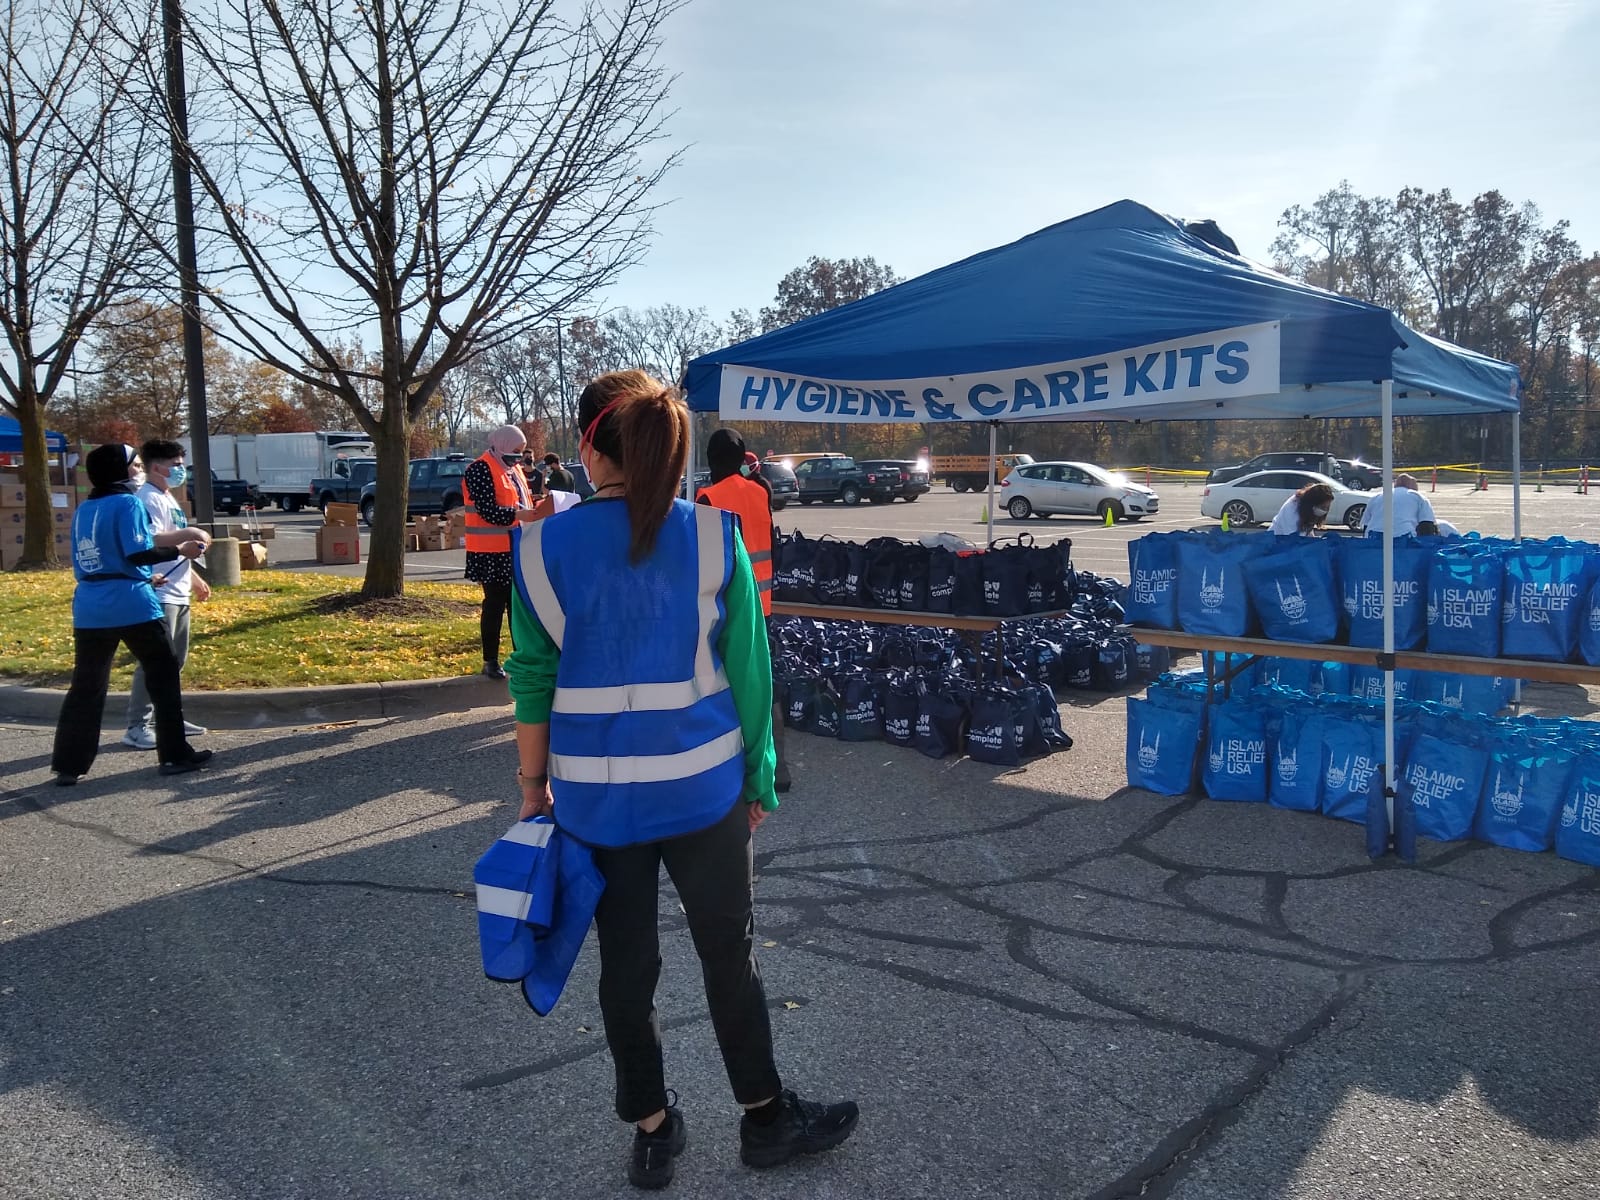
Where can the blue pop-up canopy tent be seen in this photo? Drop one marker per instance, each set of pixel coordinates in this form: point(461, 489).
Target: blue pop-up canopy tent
point(11, 437)
point(1119, 314)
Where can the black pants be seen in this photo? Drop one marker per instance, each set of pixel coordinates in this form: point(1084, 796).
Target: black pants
point(496, 603)
point(712, 871)
point(78, 727)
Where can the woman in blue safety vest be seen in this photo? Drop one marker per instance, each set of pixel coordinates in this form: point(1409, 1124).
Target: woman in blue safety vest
point(643, 694)
point(114, 547)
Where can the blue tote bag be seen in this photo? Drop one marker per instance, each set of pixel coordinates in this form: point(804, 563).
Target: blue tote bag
point(1361, 587)
point(1578, 831)
point(1543, 602)
point(1589, 628)
point(1236, 757)
point(1212, 595)
point(1161, 746)
point(1524, 791)
point(1295, 780)
point(1440, 783)
point(1464, 595)
point(1292, 591)
point(1152, 596)
point(1294, 674)
point(1350, 771)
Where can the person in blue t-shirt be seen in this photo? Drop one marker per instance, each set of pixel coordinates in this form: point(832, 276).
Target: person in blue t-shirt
point(113, 549)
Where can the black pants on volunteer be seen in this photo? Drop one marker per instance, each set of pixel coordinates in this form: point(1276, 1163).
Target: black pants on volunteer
point(712, 872)
point(78, 728)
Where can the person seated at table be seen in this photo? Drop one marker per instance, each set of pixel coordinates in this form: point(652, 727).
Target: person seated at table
point(1305, 511)
point(1412, 512)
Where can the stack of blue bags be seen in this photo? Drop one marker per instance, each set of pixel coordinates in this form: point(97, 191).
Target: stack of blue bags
point(1526, 783)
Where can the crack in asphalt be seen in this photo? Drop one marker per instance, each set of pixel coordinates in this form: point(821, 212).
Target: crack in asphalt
point(854, 887)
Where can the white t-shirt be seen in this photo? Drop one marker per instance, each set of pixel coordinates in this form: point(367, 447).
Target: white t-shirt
point(1409, 508)
point(1288, 518)
point(165, 516)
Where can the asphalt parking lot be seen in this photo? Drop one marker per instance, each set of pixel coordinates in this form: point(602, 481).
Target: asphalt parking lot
point(1094, 547)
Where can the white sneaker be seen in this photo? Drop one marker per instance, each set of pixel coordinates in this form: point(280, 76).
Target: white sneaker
point(190, 729)
point(139, 739)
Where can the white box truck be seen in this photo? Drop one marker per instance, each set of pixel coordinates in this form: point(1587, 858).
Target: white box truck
point(286, 463)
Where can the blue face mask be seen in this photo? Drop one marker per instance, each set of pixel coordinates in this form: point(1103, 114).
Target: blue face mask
point(178, 476)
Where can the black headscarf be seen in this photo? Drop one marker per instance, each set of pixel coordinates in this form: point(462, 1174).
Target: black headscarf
point(108, 469)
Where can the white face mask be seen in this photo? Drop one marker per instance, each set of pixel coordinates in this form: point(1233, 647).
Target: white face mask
point(1319, 513)
point(137, 479)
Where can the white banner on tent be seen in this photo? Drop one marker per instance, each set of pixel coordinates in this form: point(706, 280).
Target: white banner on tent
point(1207, 366)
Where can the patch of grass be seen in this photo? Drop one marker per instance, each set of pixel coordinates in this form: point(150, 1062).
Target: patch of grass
point(278, 629)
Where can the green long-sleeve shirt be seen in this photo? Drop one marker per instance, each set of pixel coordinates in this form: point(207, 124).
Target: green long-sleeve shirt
point(742, 643)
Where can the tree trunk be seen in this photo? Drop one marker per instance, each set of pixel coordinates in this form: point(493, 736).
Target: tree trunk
point(386, 553)
point(38, 529)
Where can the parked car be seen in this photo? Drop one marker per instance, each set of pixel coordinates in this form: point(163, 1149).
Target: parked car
point(785, 487)
point(581, 486)
point(231, 495)
point(1075, 487)
point(1256, 498)
point(1354, 473)
point(1282, 460)
point(913, 478)
point(840, 478)
point(344, 486)
point(435, 487)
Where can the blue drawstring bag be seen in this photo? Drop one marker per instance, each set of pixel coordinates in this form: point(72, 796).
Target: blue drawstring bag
point(1212, 595)
point(1161, 746)
point(1464, 594)
point(1292, 591)
point(1544, 600)
point(1236, 757)
point(1152, 596)
point(1361, 587)
point(1295, 780)
point(1524, 791)
point(1350, 772)
point(1578, 833)
point(1440, 786)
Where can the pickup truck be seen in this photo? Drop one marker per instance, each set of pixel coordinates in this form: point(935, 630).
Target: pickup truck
point(344, 486)
point(230, 495)
point(970, 472)
point(910, 479)
point(839, 478)
point(436, 487)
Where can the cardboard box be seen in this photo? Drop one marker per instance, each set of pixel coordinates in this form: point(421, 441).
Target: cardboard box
point(342, 514)
point(11, 546)
point(338, 544)
point(12, 495)
point(16, 518)
point(252, 556)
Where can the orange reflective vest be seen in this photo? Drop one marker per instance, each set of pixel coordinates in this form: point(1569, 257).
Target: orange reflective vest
point(749, 502)
point(510, 491)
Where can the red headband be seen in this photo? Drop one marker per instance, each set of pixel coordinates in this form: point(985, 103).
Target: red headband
point(589, 434)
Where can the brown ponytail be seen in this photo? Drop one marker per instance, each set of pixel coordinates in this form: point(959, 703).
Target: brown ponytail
point(641, 425)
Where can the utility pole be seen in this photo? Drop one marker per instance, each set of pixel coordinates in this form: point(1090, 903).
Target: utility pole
point(188, 265)
point(561, 385)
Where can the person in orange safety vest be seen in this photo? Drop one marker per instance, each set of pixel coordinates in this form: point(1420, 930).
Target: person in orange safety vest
point(497, 498)
point(736, 487)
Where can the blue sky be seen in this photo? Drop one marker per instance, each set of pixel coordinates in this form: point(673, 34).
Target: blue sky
point(921, 131)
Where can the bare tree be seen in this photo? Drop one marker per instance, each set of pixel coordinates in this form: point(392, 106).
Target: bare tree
point(661, 339)
point(71, 243)
point(434, 177)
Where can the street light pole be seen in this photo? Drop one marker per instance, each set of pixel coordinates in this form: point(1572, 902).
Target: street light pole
point(188, 264)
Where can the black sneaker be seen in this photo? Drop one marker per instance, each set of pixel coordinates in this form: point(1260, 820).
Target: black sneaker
point(494, 670)
point(195, 760)
point(802, 1127)
point(651, 1165)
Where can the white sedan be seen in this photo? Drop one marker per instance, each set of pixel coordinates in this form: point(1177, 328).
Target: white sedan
point(1074, 487)
point(1256, 499)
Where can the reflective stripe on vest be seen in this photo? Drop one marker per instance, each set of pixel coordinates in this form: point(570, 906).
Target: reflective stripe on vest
point(749, 502)
point(709, 679)
point(509, 492)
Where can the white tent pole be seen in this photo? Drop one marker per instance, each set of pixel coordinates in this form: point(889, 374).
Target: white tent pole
point(688, 468)
point(1516, 475)
point(993, 426)
point(1388, 597)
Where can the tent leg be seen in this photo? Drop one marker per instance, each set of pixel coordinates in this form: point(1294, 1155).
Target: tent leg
point(1516, 510)
point(994, 427)
point(1388, 598)
point(688, 466)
